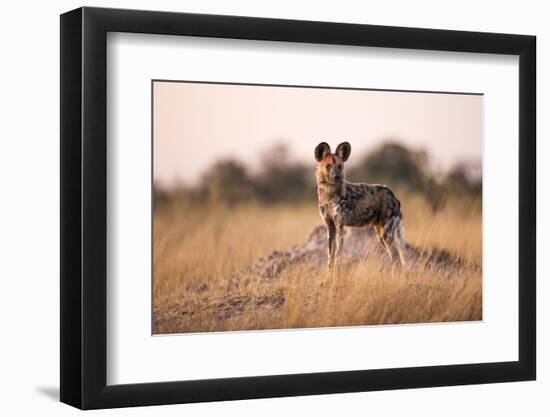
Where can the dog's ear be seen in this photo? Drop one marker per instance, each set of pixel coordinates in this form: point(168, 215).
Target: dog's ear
point(322, 150)
point(343, 151)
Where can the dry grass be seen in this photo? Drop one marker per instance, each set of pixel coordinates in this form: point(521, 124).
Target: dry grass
point(196, 250)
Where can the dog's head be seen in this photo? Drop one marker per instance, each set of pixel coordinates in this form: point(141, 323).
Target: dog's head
point(330, 168)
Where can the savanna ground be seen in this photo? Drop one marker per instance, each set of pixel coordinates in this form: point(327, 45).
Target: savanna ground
point(255, 266)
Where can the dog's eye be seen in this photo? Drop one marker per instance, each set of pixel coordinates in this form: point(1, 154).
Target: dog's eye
point(328, 167)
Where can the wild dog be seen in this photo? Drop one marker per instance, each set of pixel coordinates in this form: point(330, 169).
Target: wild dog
point(343, 203)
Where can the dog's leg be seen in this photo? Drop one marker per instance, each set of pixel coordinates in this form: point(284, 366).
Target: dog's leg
point(399, 240)
point(383, 242)
point(393, 236)
point(339, 244)
point(331, 236)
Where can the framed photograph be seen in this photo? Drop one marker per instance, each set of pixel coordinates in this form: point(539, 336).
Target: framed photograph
point(257, 208)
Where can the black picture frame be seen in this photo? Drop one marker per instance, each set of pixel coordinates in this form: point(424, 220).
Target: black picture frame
point(84, 207)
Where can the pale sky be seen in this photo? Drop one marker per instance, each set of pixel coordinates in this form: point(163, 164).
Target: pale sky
point(198, 124)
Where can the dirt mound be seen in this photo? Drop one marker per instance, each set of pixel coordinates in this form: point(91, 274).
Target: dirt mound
point(359, 244)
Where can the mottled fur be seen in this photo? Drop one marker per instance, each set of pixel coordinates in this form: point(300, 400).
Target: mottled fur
point(342, 203)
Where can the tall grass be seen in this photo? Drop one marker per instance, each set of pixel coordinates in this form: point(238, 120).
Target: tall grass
point(197, 248)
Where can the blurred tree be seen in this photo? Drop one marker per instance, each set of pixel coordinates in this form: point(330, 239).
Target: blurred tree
point(279, 179)
point(160, 195)
point(227, 182)
point(436, 193)
point(394, 165)
point(282, 180)
point(465, 177)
